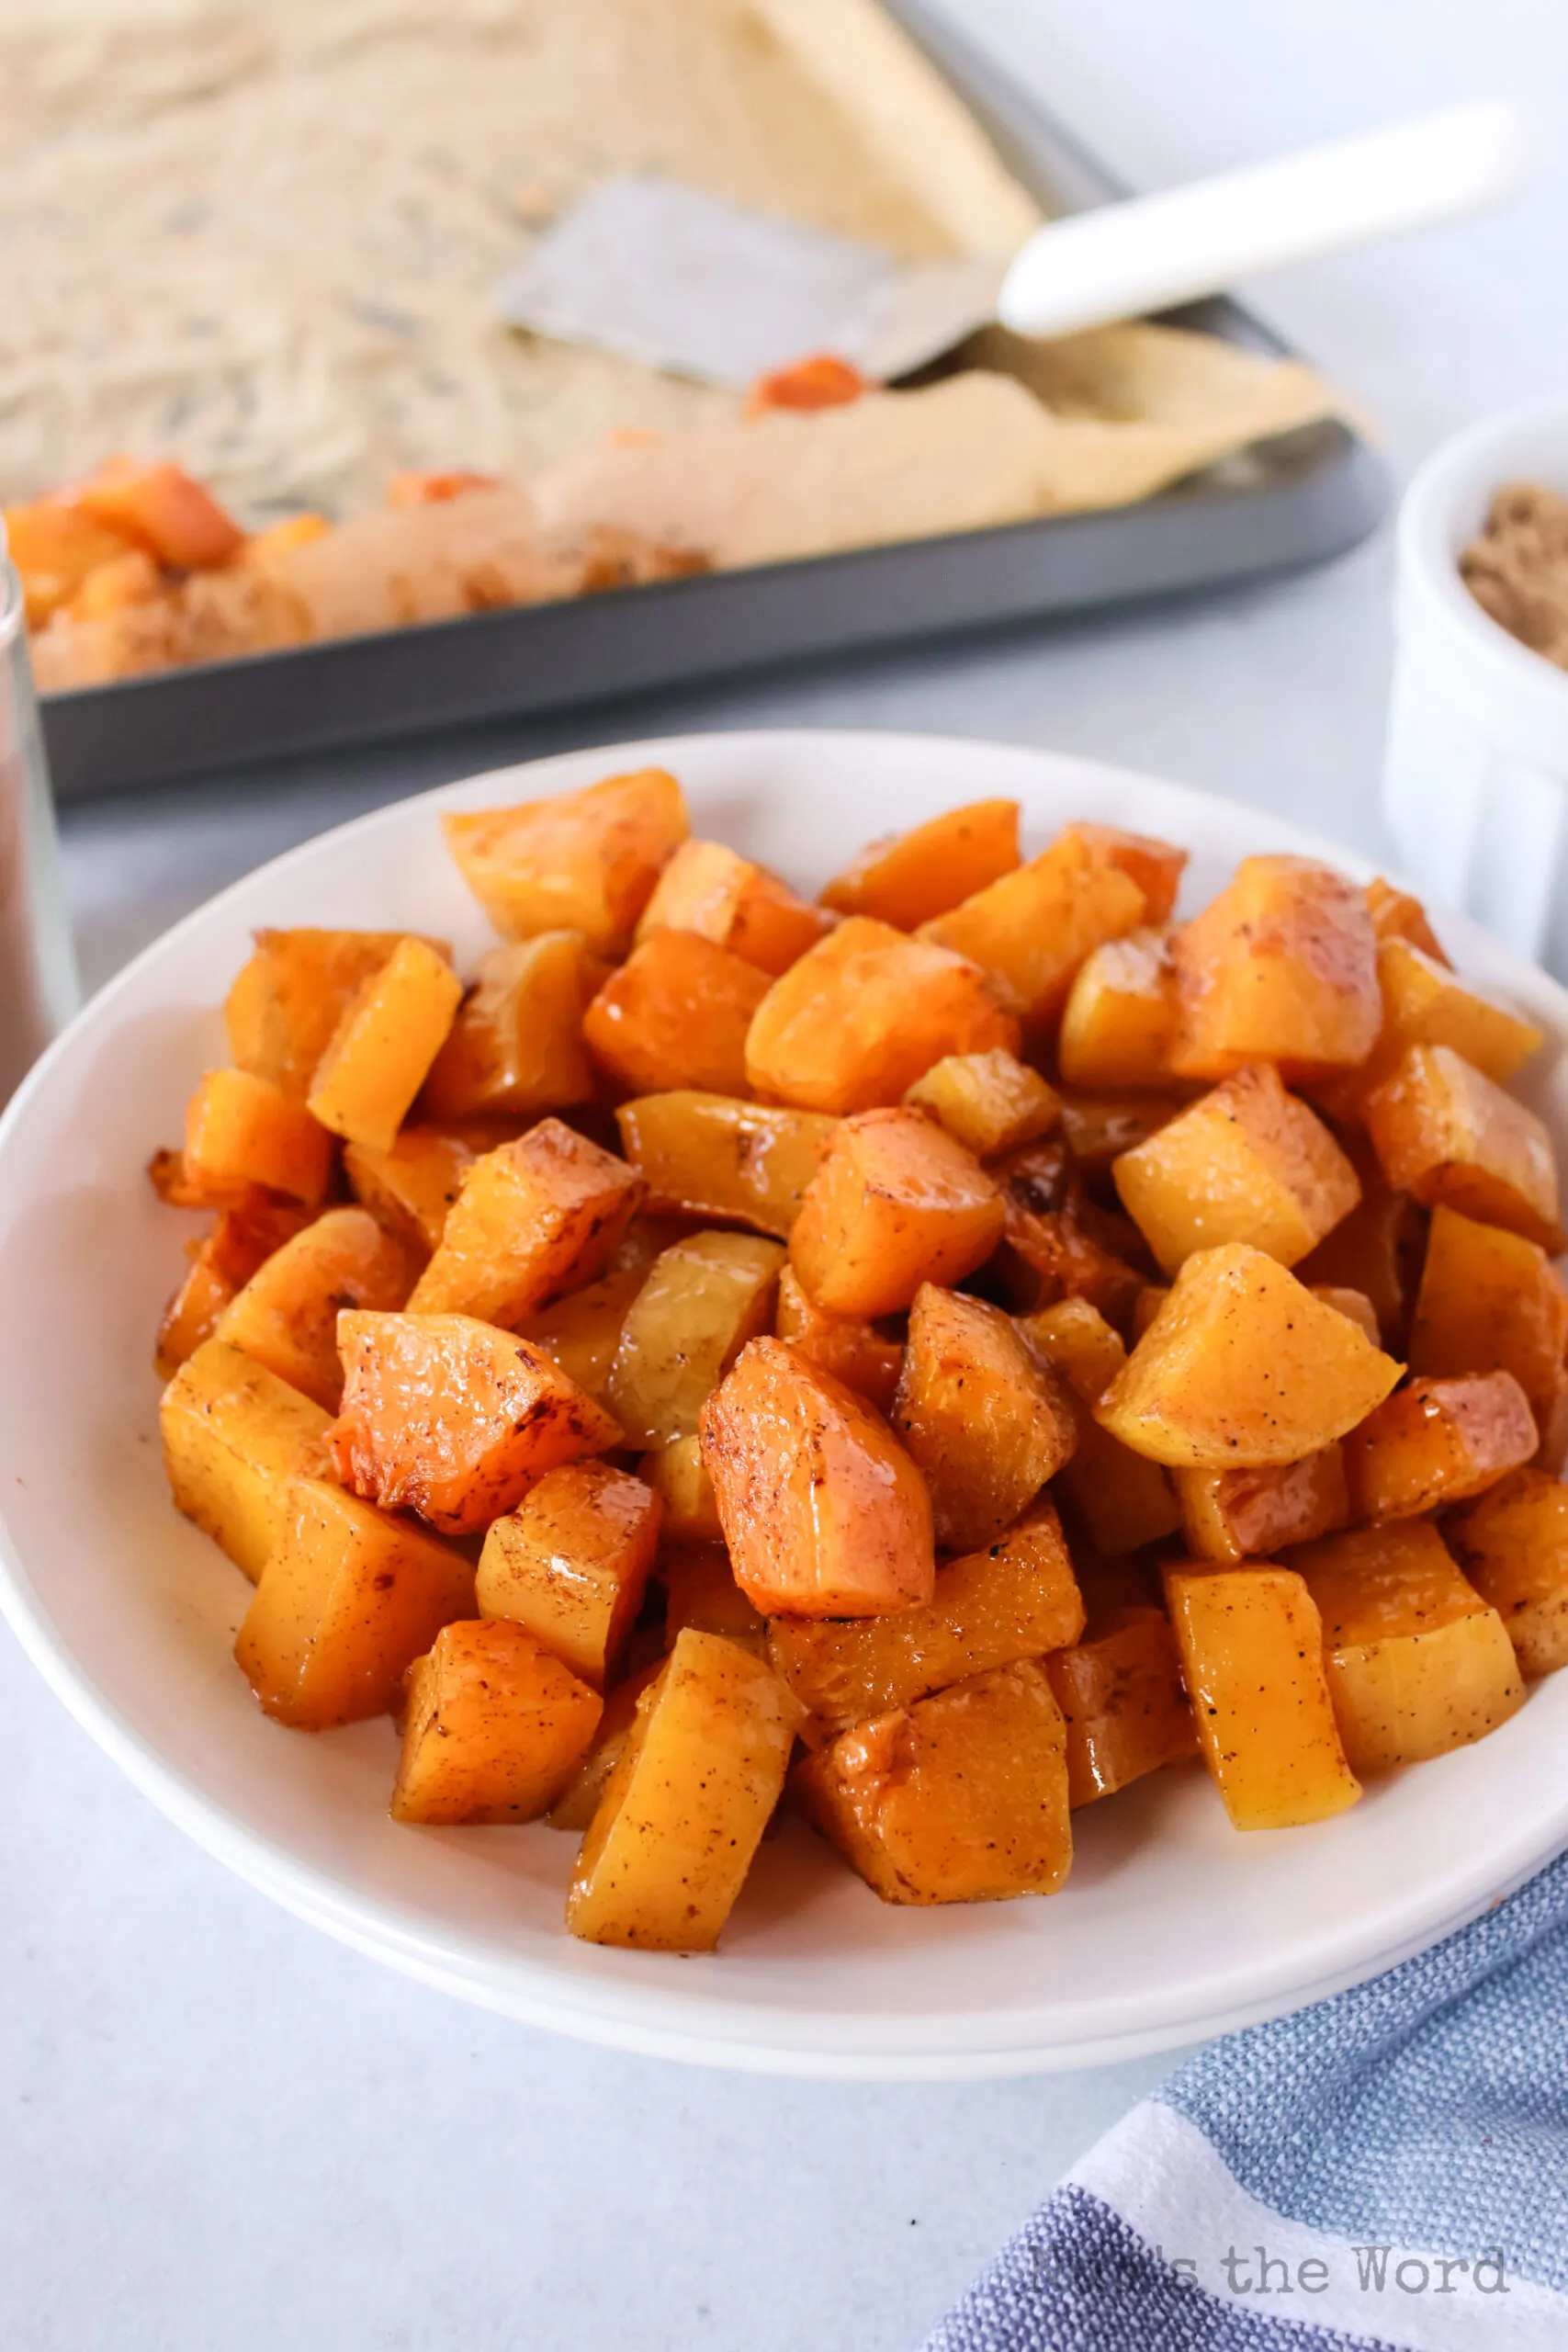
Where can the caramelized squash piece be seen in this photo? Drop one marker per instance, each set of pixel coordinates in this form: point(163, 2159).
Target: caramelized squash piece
point(240, 1242)
point(675, 1014)
point(345, 1603)
point(451, 1417)
point(1491, 1301)
point(1438, 1441)
point(581, 1331)
point(571, 1563)
point(410, 1187)
point(1242, 1366)
point(1426, 1003)
point(1015, 1598)
point(960, 1798)
point(866, 1012)
point(384, 1044)
point(1281, 967)
point(243, 1131)
point(895, 1203)
point(1376, 1249)
point(1252, 1658)
point(1056, 1243)
point(495, 1727)
point(824, 1513)
point(1513, 1546)
point(701, 1302)
point(1396, 915)
point(284, 1008)
point(676, 1474)
point(907, 878)
point(533, 1219)
point(1119, 1500)
point(1123, 1704)
point(1417, 1663)
point(982, 1418)
point(847, 1346)
point(582, 861)
point(235, 1439)
point(1235, 1515)
point(286, 1317)
point(516, 1047)
point(1098, 1128)
point(700, 1590)
point(1119, 1021)
point(988, 1102)
point(684, 1812)
point(1445, 1133)
point(1030, 932)
point(738, 904)
point(711, 1155)
point(1155, 867)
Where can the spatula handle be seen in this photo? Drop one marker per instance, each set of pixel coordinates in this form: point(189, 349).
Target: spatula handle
point(1123, 260)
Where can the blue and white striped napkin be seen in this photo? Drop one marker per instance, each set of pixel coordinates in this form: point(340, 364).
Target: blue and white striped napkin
point(1387, 2169)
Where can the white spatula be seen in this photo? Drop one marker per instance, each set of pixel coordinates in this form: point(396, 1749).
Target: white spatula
point(687, 282)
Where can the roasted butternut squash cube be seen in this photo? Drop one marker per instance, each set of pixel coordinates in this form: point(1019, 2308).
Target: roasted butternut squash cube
point(1117, 1499)
point(1375, 1250)
point(824, 1513)
point(1235, 1515)
point(700, 1590)
point(162, 509)
point(579, 1800)
point(866, 1012)
point(1417, 1663)
point(1252, 1658)
point(960, 1798)
point(712, 1156)
point(1247, 1162)
point(345, 1603)
point(241, 1241)
point(1123, 1704)
point(494, 1729)
point(571, 1563)
point(179, 1187)
point(676, 1014)
point(1438, 1441)
point(738, 904)
point(1098, 1128)
point(991, 1102)
point(284, 1008)
point(583, 861)
point(1119, 1018)
point(385, 1043)
point(675, 1471)
point(192, 1314)
point(1030, 932)
point(984, 1421)
point(1155, 867)
point(235, 1439)
point(1396, 915)
point(1513, 1547)
point(895, 1203)
point(1353, 1302)
point(534, 1219)
point(907, 878)
point(701, 1302)
point(410, 1187)
point(1242, 1366)
point(847, 1346)
point(1445, 1133)
point(1056, 1243)
point(1426, 1003)
point(1491, 1301)
point(581, 1331)
point(516, 1047)
point(243, 1131)
point(681, 1816)
point(451, 1417)
point(1014, 1599)
point(286, 1316)
point(1281, 967)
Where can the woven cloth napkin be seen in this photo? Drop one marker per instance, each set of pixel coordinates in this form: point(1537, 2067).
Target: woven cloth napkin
point(1388, 2169)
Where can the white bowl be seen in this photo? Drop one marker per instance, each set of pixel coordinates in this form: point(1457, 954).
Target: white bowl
point(1475, 771)
point(1171, 1926)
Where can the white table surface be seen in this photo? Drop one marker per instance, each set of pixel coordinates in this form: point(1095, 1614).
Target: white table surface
point(226, 2134)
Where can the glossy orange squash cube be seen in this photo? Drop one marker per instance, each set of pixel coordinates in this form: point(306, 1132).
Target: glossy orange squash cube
point(1030, 932)
point(534, 1219)
point(160, 507)
point(1396, 915)
point(982, 1417)
point(849, 1346)
point(677, 1013)
point(895, 1203)
point(495, 1727)
point(516, 1047)
point(1119, 1021)
point(713, 1156)
point(703, 1299)
point(1235, 1515)
point(700, 1590)
point(571, 1563)
point(990, 1102)
point(287, 1001)
point(738, 904)
point(235, 1439)
point(1123, 1704)
point(410, 1187)
point(1116, 1498)
point(241, 1131)
point(1438, 1441)
point(1491, 1301)
point(907, 879)
point(286, 1316)
point(1154, 865)
point(1282, 966)
point(676, 1474)
point(583, 861)
point(1512, 1544)
point(384, 1045)
point(1445, 1133)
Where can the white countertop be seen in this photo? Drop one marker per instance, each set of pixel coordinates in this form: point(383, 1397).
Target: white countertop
point(228, 2135)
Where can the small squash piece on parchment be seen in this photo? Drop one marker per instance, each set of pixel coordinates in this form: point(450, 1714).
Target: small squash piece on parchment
point(571, 1563)
point(675, 1014)
point(382, 1049)
point(1437, 1441)
point(684, 1812)
point(907, 878)
point(713, 1156)
point(583, 861)
point(516, 1047)
point(534, 1218)
point(235, 1439)
point(991, 1102)
point(960, 1798)
point(712, 890)
point(244, 1131)
point(703, 1299)
point(895, 1202)
point(286, 1316)
point(1282, 968)
point(986, 1421)
point(494, 1727)
point(1512, 1544)
point(1444, 1133)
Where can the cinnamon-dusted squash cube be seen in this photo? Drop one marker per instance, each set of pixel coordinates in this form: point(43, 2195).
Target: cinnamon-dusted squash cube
point(345, 1603)
point(991, 1102)
point(849, 1346)
point(516, 1047)
point(676, 1014)
point(243, 1131)
point(288, 999)
point(1376, 1248)
point(581, 1331)
point(681, 1816)
point(495, 1727)
point(1513, 1546)
point(714, 1156)
point(583, 861)
point(1252, 1658)
point(411, 1185)
point(824, 1513)
point(1235, 1515)
point(235, 1439)
point(571, 1563)
point(1125, 1712)
point(286, 1317)
point(241, 1241)
point(1281, 967)
point(1438, 1441)
point(700, 1590)
point(907, 878)
point(701, 1302)
point(982, 1418)
point(451, 1417)
point(1247, 1162)
point(1426, 1003)
point(1445, 1133)
point(730, 899)
point(1418, 1662)
point(1119, 1500)
point(1396, 915)
point(676, 1474)
point(1120, 1017)
point(579, 1800)
point(961, 1798)
point(1154, 865)
point(1030, 932)
point(1016, 1598)
point(895, 1203)
point(866, 1013)
point(1491, 1301)
point(384, 1044)
point(534, 1219)
point(1242, 1366)
point(1098, 1128)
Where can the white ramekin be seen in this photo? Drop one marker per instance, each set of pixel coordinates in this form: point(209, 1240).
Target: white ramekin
point(1475, 773)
